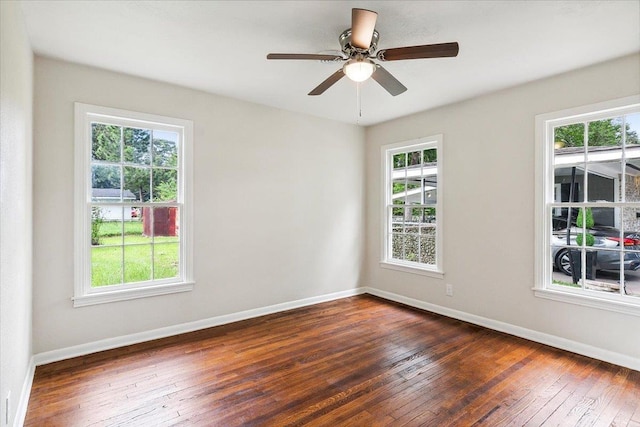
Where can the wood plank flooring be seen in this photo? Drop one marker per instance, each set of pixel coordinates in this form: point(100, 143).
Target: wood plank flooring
point(359, 361)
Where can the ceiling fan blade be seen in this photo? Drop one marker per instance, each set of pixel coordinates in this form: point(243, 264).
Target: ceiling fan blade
point(440, 50)
point(387, 81)
point(330, 81)
point(363, 22)
point(309, 56)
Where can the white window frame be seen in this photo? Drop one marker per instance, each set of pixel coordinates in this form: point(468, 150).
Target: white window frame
point(544, 136)
point(387, 153)
point(84, 294)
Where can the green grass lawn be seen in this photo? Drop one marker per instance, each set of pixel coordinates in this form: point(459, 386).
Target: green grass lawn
point(114, 228)
point(142, 258)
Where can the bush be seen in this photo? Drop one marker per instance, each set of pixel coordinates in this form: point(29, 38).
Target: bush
point(585, 217)
point(96, 222)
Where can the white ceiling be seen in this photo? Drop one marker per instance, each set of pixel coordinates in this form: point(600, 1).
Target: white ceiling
point(220, 46)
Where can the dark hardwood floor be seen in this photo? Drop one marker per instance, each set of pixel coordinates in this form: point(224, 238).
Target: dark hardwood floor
point(355, 361)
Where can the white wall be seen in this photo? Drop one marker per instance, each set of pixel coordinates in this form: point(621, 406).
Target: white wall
point(16, 84)
point(489, 206)
point(278, 196)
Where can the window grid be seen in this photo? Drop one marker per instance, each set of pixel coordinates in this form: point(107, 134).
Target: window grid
point(590, 163)
point(411, 204)
point(142, 159)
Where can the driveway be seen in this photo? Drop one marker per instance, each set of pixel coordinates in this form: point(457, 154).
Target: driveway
point(632, 279)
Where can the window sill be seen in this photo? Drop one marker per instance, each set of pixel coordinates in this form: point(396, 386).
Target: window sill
point(587, 300)
point(413, 270)
point(127, 294)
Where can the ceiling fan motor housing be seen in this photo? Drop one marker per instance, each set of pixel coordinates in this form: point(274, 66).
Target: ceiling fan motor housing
point(351, 51)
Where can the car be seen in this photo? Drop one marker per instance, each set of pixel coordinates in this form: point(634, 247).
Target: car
point(607, 242)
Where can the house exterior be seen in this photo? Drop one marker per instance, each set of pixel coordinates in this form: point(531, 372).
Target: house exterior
point(114, 212)
point(604, 182)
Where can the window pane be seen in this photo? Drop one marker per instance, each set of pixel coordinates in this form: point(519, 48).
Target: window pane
point(414, 158)
point(632, 126)
point(109, 229)
point(411, 246)
point(137, 144)
point(414, 192)
point(399, 160)
point(165, 185)
point(105, 142)
point(398, 191)
point(568, 136)
point(137, 184)
point(561, 274)
point(105, 183)
point(429, 217)
point(429, 156)
point(632, 181)
point(106, 224)
point(133, 226)
point(165, 260)
point(631, 222)
point(563, 177)
point(165, 148)
point(430, 183)
point(106, 265)
point(165, 224)
point(605, 133)
point(397, 246)
point(632, 277)
point(397, 217)
point(137, 263)
point(428, 248)
point(603, 181)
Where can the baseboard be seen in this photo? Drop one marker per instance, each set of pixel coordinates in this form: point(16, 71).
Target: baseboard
point(550, 340)
point(23, 402)
point(111, 343)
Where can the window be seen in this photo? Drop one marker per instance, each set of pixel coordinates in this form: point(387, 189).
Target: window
point(588, 198)
point(132, 205)
point(413, 206)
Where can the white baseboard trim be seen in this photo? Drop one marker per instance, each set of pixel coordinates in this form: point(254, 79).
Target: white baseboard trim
point(111, 343)
point(23, 402)
point(540, 337)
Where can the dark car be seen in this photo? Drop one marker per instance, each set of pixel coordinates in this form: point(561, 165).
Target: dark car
point(607, 244)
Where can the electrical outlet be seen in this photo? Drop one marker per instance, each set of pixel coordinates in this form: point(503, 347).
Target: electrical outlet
point(449, 290)
point(7, 406)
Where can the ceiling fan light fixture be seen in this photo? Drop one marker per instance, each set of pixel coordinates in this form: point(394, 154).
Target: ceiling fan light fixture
point(359, 69)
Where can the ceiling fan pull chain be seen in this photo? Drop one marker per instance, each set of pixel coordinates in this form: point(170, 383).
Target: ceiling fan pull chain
point(358, 101)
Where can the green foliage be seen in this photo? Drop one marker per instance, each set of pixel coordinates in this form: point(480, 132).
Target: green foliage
point(96, 222)
point(105, 176)
point(415, 158)
point(430, 156)
point(114, 228)
point(600, 133)
point(105, 142)
point(138, 148)
point(166, 191)
point(585, 218)
point(590, 239)
point(137, 143)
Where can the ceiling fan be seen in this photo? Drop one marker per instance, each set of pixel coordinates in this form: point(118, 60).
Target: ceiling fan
point(359, 45)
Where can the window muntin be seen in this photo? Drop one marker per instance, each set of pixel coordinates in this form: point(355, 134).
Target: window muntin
point(591, 173)
point(412, 210)
point(133, 186)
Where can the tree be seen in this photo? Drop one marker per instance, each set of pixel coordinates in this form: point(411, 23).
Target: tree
point(105, 142)
point(606, 132)
point(135, 144)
